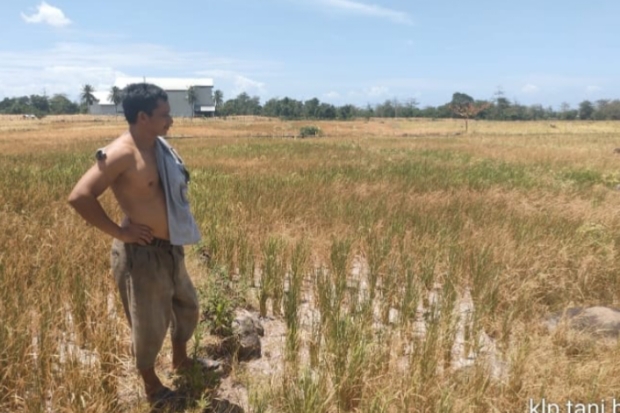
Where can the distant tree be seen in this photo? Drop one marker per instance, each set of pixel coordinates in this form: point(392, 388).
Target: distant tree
point(566, 113)
point(60, 104)
point(272, 108)
point(615, 110)
point(517, 111)
point(291, 108)
point(228, 108)
point(608, 109)
point(87, 98)
point(586, 110)
point(17, 105)
point(468, 111)
point(311, 108)
point(327, 111)
point(464, 106)
point(40, 105)
point(410, 109)
point(218, 99)
point(461, 99)
point(115, 97)
point(367, 112)
point(429, 112)
point(8, 104)
point(501, 106)
point(444, 111)
point(192, 98)
point(254, 106)
point(386, 109)
point(346, 112)
point(536, 112)
point(5, 104)
point(243, 104)
point(601, 108)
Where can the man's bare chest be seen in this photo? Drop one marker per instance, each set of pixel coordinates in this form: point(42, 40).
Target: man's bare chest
point(142, 179)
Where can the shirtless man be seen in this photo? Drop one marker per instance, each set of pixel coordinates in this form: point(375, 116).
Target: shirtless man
point(150, 272)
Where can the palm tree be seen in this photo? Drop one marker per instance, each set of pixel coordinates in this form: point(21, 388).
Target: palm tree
point(87, 96)
point(218, 98)
point(115, 97)
point(192, 97)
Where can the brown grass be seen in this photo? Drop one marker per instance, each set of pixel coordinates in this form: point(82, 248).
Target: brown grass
point(522, 216)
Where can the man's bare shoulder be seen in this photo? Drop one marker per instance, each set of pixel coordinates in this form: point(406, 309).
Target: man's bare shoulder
point(117, 157)
point(121, 149)
point(123, 145)
point(112, 162)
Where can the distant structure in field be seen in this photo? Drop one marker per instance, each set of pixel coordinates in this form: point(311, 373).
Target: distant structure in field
point(176, 88)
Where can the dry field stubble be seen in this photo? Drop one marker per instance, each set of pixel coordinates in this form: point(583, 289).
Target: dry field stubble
point(413, 250)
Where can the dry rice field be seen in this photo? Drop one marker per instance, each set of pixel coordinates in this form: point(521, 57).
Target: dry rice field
point(398, 265)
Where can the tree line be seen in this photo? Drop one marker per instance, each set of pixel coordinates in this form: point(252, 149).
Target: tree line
point(461, 106)
point(58, 104)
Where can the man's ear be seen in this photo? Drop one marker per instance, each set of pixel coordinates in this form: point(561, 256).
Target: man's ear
point(142, 116)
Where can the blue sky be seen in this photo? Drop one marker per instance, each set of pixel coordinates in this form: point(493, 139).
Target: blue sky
point(340, 51)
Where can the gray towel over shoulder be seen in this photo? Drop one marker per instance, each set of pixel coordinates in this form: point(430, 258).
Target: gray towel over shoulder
point(174, 179)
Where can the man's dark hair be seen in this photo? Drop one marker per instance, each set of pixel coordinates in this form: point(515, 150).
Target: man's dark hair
point(141, 97)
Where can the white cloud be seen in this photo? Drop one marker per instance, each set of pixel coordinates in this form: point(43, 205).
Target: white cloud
point(240, 83)
point(377, 91)
point(245, 84)
point(373, 93)
point(355, 7)
point(331, 95)
point(47, 14)
point(65, 67)
point(593, 89)
point(550, 82)
point(529, 88)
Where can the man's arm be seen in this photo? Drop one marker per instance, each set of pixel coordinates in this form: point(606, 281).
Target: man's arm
point(85, 194)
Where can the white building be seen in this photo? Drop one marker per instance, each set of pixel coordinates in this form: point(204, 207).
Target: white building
point(176, 88)
point(103, 105)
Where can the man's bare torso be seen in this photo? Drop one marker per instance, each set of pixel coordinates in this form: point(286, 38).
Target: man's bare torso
point(139, 192)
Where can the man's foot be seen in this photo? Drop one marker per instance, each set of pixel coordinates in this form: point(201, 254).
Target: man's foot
point(165, 397)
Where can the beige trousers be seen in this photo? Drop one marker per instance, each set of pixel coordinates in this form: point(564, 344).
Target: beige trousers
point(156, 292)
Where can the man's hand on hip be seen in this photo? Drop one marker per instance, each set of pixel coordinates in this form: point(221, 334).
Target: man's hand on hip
point(136, 234)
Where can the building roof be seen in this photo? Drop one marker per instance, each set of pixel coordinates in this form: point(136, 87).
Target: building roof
point(166, 83)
